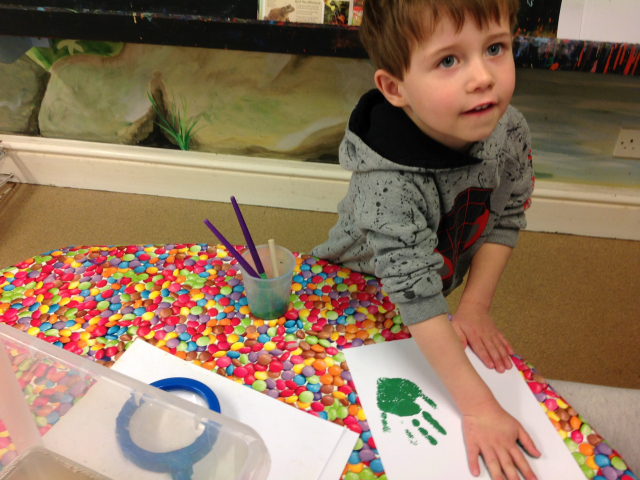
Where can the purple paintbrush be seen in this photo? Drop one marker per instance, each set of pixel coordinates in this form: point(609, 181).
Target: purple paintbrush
point(232, 251)
point(248, 239)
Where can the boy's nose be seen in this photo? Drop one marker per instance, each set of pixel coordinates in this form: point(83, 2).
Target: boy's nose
point(481, 77)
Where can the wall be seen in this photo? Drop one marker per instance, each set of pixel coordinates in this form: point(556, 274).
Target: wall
point(284, 106)
point(575, 119)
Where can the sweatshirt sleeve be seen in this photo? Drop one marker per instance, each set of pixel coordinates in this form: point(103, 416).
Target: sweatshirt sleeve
point(513, 218)
point(392, 214)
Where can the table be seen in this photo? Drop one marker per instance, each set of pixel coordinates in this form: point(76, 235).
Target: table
point(188, 300)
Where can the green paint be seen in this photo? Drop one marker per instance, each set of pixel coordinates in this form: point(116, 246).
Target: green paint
point(397, 396)
point(424, 433)
point(411, 438)
point(433, 422)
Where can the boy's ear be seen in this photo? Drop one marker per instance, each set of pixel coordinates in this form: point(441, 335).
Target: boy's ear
point(390, 87)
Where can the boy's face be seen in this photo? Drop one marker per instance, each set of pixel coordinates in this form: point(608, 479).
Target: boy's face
point(458, 84)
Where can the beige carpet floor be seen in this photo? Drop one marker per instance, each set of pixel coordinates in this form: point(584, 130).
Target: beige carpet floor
point(568, 304)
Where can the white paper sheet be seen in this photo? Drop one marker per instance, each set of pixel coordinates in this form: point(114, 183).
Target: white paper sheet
point(614, 21)
point(374, 368)
point(301, 446)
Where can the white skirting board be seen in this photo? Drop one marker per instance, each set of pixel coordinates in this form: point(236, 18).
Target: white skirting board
point(559, 208)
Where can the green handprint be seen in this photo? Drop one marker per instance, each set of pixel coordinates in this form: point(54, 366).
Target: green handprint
point(398, 396)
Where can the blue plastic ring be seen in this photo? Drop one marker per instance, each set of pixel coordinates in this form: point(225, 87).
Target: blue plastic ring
point(182, 383)
point(178, 462)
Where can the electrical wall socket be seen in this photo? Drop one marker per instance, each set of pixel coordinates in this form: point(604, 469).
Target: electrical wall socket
point(628, 144)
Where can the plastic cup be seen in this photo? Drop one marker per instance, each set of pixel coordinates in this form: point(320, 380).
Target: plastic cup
point(269, 298)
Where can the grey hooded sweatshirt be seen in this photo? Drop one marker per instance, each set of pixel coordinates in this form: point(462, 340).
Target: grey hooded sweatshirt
point(417, 211)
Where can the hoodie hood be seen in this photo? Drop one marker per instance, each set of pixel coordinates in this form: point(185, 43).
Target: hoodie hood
point(383, 137)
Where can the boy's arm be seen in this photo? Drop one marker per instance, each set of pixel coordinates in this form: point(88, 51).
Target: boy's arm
point(396, 216)
point(488, 430)
point(513, 218)
point(472, 322)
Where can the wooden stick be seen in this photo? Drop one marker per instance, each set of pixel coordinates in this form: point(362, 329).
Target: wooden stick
point(274, 262)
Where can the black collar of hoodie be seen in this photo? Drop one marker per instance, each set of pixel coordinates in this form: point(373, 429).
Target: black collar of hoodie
point(389, 132)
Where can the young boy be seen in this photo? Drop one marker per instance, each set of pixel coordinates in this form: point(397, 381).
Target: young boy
point(441, 178)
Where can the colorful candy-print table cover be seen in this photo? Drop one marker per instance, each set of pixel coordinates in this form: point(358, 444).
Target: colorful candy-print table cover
point(188, 300)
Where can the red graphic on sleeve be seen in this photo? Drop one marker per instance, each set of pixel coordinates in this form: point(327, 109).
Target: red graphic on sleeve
point(527, 203)
point(460, 229)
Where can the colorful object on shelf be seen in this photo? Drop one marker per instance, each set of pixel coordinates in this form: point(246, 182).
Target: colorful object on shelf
point(189, 301)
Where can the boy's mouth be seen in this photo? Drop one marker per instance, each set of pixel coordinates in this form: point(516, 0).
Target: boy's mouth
point(482, 108)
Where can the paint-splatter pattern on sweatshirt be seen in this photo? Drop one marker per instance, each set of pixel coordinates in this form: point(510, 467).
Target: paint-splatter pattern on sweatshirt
point(417, 211)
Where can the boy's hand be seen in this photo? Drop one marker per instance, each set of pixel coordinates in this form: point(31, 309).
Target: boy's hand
point(488, 430)
point(474, 326)
point(493, 433)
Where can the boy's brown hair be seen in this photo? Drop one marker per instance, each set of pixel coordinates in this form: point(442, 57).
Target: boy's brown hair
point(390, 29)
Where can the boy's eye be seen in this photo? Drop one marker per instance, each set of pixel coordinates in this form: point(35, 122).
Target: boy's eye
point(494, 50)
point(448, 62)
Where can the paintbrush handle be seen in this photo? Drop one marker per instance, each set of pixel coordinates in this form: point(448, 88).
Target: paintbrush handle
point(247, 238)
point(232, 251)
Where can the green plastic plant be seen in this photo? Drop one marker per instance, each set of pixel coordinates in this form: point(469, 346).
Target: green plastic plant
point(177, 125)
point(47, 56)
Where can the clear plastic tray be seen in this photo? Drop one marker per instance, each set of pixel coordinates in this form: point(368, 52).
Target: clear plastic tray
point(86, 413)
